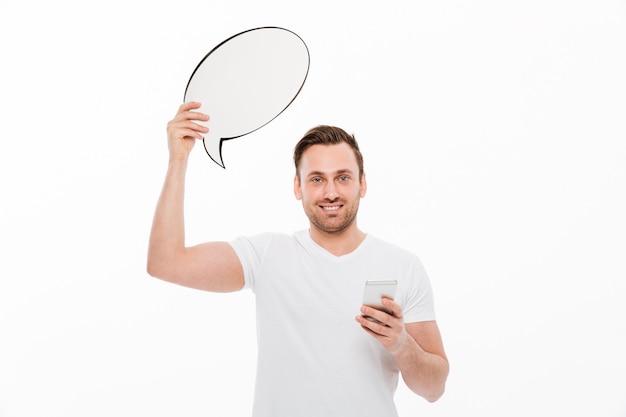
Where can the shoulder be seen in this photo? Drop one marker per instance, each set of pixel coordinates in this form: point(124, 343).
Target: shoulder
point(263, 241)
point(257, 251)
point(382, 248)
point(397, 260)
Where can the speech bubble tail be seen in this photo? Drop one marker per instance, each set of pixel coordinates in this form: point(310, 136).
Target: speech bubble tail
point(213, 148)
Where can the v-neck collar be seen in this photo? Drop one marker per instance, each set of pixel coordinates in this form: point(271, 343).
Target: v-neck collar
point(305, 238)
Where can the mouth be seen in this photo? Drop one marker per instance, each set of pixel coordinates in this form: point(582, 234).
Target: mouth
point(331, 208)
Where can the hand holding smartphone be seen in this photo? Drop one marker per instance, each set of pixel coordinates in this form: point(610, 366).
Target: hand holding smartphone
point(374, 293)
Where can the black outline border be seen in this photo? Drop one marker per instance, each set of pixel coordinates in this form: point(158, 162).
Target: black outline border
point(279, 113)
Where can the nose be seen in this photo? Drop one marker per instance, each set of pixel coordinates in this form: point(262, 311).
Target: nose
point(330, 193)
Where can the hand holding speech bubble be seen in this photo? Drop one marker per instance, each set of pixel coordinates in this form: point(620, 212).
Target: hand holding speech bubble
point(246, 82)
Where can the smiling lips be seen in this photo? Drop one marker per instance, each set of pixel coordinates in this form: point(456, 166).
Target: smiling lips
point(331, 208)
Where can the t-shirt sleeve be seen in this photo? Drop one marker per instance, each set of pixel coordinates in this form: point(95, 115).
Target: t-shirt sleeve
point(251, 251)
point(419, 303)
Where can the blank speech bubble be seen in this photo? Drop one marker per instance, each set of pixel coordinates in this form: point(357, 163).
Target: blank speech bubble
point(246, 82)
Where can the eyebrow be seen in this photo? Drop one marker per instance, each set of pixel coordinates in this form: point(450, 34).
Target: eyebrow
point(338, 172)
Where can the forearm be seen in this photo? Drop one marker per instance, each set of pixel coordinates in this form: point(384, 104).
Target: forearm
point(423, 372)
point(167, 237)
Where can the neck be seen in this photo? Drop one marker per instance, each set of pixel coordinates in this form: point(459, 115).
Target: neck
point(338, 243)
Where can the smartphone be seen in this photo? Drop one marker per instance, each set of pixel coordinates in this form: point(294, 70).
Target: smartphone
point(375, 291)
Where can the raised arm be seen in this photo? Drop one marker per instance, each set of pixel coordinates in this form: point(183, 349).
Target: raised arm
point(211, 266)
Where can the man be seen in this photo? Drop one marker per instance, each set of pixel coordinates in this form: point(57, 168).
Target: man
point(315, 358)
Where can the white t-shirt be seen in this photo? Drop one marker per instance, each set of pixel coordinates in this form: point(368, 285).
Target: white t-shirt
point(314, 359)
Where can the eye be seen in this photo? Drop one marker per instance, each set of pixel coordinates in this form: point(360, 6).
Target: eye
point(344, 178)
point(316, 180)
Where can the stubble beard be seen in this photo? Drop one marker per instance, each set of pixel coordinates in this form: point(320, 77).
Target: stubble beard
point(331, 223)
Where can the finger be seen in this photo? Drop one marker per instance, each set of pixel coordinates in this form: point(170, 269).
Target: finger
point(374, 313)
point(182, 132)
point(195, 126)
point(194, 115)
point(173, 126)
point(188, 106)
point(185, 112)
point(190, 115)
point(189, 134)
point(372, 327)
point(396, 309)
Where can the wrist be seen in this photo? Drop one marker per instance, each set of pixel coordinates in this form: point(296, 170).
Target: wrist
point(177, 166)
point(178, 159)
point(406, 346)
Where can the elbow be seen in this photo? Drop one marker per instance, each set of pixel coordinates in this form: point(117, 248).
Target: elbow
point(151, 269)
point(435, 389)
point(431, 392)
point(152, 261)
point(165, 268)
point(435, 395)
point(440, 388)
point(159, 259)
point(154, 267)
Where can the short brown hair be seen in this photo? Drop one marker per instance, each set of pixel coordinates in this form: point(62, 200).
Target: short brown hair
point(326, 135)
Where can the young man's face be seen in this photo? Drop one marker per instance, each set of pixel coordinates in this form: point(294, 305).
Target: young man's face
point(329, 186)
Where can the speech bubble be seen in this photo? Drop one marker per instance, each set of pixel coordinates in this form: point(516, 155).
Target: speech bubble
point(247, 81)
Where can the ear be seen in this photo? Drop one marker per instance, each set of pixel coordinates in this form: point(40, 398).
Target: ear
point(297, 189)
point(363, 184)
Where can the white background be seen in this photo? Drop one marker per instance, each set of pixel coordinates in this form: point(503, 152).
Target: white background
point(494, 136)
